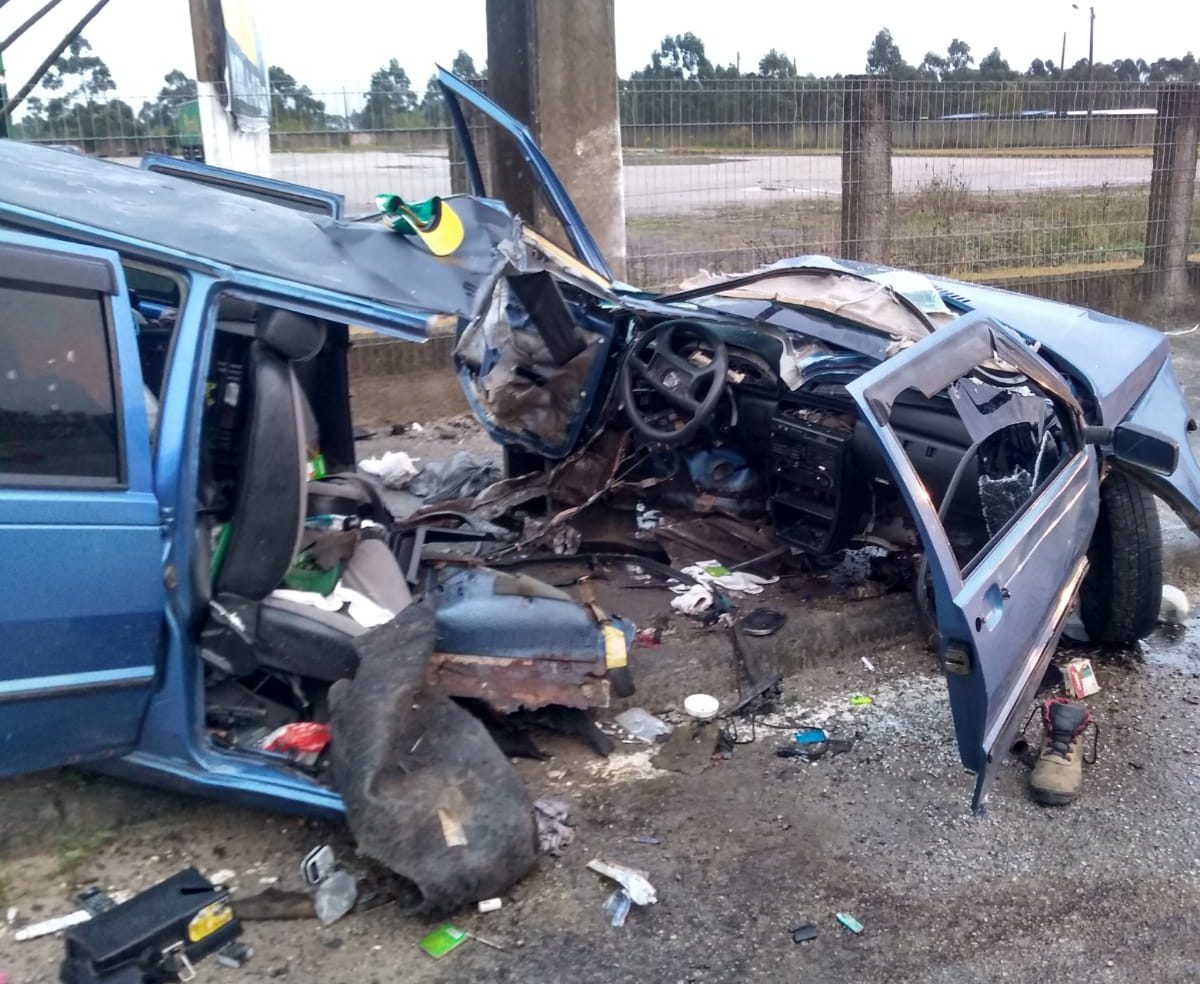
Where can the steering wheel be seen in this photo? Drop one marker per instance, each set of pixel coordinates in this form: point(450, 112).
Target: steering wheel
point(690, 391)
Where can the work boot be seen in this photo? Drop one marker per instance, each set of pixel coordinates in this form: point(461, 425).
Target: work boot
point(1058, 774)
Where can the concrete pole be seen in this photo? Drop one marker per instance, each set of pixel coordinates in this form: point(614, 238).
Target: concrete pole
point(553, 65)
point(224, 144)
point(866, 168)
point(1172, 191)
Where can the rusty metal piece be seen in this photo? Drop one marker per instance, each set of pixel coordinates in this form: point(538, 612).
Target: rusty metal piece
point(507, 685)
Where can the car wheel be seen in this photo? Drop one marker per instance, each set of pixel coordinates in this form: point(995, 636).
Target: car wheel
point(1122, 592)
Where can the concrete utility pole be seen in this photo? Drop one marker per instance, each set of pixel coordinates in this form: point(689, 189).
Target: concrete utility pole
point(224, 144)
point(1091, 70)
point(553, 65)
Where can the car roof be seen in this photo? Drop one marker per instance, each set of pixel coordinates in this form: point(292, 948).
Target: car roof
point(142, 212)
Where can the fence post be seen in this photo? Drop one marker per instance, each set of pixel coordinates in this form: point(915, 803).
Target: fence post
point(1172, 191)
point(866, 168)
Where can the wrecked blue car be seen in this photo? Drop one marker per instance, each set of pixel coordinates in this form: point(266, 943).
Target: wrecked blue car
point(177, 466)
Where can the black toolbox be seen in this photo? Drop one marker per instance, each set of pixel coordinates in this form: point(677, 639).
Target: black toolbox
point(154, 937)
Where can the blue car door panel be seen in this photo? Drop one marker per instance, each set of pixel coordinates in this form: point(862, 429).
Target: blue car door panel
point(1006, 540)
point(81, 587)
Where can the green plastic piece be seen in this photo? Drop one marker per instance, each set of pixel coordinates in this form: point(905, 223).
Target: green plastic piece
point(860, 699)
point(442, 940)
point(849, 922)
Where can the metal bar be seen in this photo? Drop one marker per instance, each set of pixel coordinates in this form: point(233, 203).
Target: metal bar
point(28, 24)
point(44, 67)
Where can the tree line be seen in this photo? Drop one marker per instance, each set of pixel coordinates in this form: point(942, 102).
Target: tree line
point(678, 85)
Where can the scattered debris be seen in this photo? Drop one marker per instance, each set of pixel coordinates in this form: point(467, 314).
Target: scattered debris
point(634, 881)
point(643, 725)
point(1081, 679)
point(1175, 605)
point(850, 922)
point(235, 955)
point(647, 839)
point(335, 890)
point(805, 933)
point(1189, 699)
point(861, 700)
point(302, 741)
point(763, 622)
point(617, 906)
point(490, 905)
point(396, 469)
point(223, 877)
point(703, 707)
point(630, 767)
point(442, 940)
point(56, 925)
point(552, 830)
point(486, 942)
point(868, 664)
point(809, 736)
point(463, 474)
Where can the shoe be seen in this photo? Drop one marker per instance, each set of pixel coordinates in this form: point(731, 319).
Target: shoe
point(1058, 774)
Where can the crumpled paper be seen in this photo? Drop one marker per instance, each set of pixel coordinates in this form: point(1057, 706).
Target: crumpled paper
point(695, 598)
point(395, 469)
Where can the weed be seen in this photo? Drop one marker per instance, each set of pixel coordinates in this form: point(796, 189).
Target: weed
point(77, 849)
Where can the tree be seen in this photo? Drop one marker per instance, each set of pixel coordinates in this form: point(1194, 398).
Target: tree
point(81, 109)
point(464, 66)
point(391, 102)
point(960, 56)
point(78, 73)
point(161, 115)
point(776, 65)
point(678, 57)
point(883, 57)
point(933, 66)
point(1037, 69)
point(293, 106)
point(994, 68)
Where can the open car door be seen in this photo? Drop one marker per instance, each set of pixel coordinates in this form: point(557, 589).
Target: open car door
point(81, 542)
point(1006, 535)
point(301, 198)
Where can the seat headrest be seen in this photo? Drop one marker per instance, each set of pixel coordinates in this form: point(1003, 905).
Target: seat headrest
point(231, 308)
point(293, 336)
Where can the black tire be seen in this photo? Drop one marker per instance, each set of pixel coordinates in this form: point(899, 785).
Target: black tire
point(1121, 595)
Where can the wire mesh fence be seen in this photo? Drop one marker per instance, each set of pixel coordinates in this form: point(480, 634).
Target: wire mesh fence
point(986, 179)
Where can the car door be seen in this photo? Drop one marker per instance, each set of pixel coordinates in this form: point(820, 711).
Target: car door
point(301, 198)
point(81, 545)
point(1005, 519)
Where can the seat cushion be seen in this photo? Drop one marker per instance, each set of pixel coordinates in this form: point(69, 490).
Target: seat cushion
point(299, 638)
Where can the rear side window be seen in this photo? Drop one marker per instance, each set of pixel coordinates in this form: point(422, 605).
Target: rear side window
point(58, 423)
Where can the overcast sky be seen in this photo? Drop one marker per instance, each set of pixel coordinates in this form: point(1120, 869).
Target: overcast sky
point(334, 45)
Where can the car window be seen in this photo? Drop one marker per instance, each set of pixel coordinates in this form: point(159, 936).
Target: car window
point(984, 449)
point(58, 422)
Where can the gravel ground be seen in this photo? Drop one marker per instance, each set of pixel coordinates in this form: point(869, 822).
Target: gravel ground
point(1107, 889)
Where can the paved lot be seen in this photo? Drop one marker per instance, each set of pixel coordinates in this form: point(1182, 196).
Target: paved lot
point(1106, 890)
point(675, 187)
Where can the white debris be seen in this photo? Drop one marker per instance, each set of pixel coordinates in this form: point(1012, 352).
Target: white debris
point(223, 877)
point(636, 883)
point(868, 664)
point(395, 468)
point(1175, 605)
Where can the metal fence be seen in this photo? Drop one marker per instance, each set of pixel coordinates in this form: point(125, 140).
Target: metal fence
point(986, 180)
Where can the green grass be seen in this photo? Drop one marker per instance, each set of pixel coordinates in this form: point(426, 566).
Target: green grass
point(943, 228)
point(77, 849)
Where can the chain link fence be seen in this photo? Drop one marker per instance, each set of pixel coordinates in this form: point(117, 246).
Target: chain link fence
point(986, 180)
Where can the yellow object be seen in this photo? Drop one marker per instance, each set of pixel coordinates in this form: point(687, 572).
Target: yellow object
point(444, 234)
point(615, 653)
point(208, 920)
